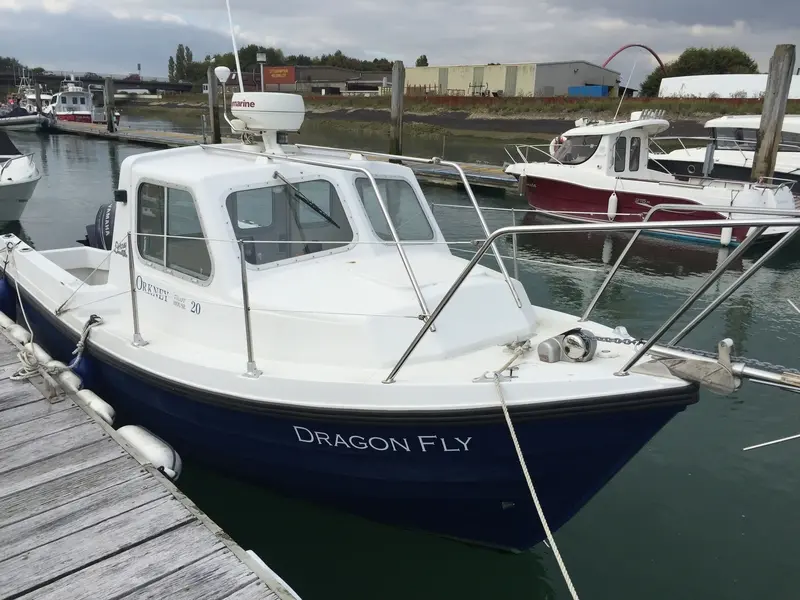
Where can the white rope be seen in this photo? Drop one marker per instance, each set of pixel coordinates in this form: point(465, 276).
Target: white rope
point(561, 565)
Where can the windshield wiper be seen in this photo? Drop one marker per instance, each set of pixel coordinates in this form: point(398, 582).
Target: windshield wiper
point(300, 196)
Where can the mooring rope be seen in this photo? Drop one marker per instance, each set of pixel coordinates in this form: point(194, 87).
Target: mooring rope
point(522, 349)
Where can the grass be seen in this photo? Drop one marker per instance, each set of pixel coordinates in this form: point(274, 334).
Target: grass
point(509, 108)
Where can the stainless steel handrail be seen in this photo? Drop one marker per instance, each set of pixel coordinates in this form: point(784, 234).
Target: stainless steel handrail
point(569, 228)
point(138, 341)
point(465, 183)
point(406, 264)
point(252, 369)
point(678, 208)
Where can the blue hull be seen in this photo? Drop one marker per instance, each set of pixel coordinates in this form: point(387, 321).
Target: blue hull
point(450, 473)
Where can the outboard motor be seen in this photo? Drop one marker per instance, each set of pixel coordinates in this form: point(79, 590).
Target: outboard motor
point(101, 233)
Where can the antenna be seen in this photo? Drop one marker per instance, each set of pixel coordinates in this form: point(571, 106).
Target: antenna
point(621, 98)
point(235, 50)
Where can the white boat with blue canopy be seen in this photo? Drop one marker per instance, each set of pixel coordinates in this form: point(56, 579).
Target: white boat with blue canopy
point(294, 315)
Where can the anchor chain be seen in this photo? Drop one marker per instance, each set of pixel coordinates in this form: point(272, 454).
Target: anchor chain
point(750, 362)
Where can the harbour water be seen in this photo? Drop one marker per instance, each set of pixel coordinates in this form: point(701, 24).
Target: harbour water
point(692, 516)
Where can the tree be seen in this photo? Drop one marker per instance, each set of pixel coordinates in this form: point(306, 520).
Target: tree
point(180, 62)
point(701, 61)
point(422, 61)
point(171, 69)
point(187, 53)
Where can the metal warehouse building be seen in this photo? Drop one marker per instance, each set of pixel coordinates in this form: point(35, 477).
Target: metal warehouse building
point(522, 79)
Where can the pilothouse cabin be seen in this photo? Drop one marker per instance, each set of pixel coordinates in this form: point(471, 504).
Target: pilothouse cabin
point(320, 257)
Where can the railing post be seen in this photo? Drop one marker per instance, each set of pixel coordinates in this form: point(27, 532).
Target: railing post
point(138, 341)
point(203, 122)
point(252, 371)
point(514, 245)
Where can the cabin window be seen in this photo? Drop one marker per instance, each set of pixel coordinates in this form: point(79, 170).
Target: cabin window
point(405, 210)
point(286, 221)
point(635, 154)
point(83, 100)
point(729, 138)
point(63, 99)
point(790, 142)
point(169, 228)
point(576, 149)
point(74, 99)
point(619, 154)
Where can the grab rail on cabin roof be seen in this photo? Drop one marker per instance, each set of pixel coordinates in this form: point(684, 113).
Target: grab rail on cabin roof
point(464, 181)
point(406, 264)
point(761, 224)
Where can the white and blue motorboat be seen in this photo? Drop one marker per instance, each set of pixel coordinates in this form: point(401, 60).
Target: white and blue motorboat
point(254, 303)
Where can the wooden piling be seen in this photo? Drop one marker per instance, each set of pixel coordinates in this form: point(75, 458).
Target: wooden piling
point(781, 68)
point(38, 89)
point(108, 93)
point(213, 109)
point(398, 93)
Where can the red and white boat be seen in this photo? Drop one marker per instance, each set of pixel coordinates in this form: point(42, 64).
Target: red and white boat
point(598, 172)
point(75, 103)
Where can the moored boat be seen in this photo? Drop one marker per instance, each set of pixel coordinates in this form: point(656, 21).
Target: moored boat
point(75, 103)
point(253, 304)
point(599, 172)
point(18, 178)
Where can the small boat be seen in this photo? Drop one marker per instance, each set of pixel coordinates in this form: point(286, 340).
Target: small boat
point(18, 178)
point(599, 172)
point(75, 103)
point(264, 307)
point(732, 141)
point(16, 118)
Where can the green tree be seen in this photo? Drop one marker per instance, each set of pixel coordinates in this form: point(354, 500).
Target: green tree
point(171, 69)
point(187, 53)
point(180, 62)
point(422, 61)
point(701, 61)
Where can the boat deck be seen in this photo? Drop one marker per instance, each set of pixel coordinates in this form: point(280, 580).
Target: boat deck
point(80, 517)
point(480, 175)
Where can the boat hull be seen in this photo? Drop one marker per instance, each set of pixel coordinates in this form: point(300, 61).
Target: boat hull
point(572, 202)
point(453, 473)
point(14, 197)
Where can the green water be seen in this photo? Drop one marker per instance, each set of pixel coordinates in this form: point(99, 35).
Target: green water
point(692, 516)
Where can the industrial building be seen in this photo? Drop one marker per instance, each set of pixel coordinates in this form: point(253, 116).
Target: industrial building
point(310, 80)
point(523, 79)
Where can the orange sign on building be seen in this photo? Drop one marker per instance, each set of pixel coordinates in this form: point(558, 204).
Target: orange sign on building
point(279, 75)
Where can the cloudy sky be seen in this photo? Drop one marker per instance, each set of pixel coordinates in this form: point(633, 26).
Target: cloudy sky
point(112, 36)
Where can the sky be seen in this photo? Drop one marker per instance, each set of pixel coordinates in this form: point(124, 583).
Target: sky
point(113, 36)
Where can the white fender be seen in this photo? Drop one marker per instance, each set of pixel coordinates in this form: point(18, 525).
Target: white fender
point(6, 322)
point(725, 236)
point(97, 405)
point(41, 356)
point(69, 381)
point(612, 206)
point(20, 334)
point(153, 449)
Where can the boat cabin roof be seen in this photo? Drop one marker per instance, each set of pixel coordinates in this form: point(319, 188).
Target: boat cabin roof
point(649, 126)
point(791, 123)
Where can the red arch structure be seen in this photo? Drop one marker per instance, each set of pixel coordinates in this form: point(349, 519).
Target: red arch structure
point(625, 47)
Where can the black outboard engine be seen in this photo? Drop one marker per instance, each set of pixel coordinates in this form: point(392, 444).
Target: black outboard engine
point(100, 234)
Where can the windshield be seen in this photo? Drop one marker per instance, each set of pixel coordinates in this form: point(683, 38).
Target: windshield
point(576, 150)
point(268, 219)
point(407, 215)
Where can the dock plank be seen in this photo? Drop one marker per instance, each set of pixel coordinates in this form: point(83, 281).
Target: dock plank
point(48, 447)
point(30, 411)
point(16, 393)
point(45, 564)
point(8, 355)
point(212, 578)
point(47, 495)
point(255, 591)
point(123, 575)
point(57, 523)
point(43, 427)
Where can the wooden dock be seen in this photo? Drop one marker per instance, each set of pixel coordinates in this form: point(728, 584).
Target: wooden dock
point(478, 175)
point(80, 517)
